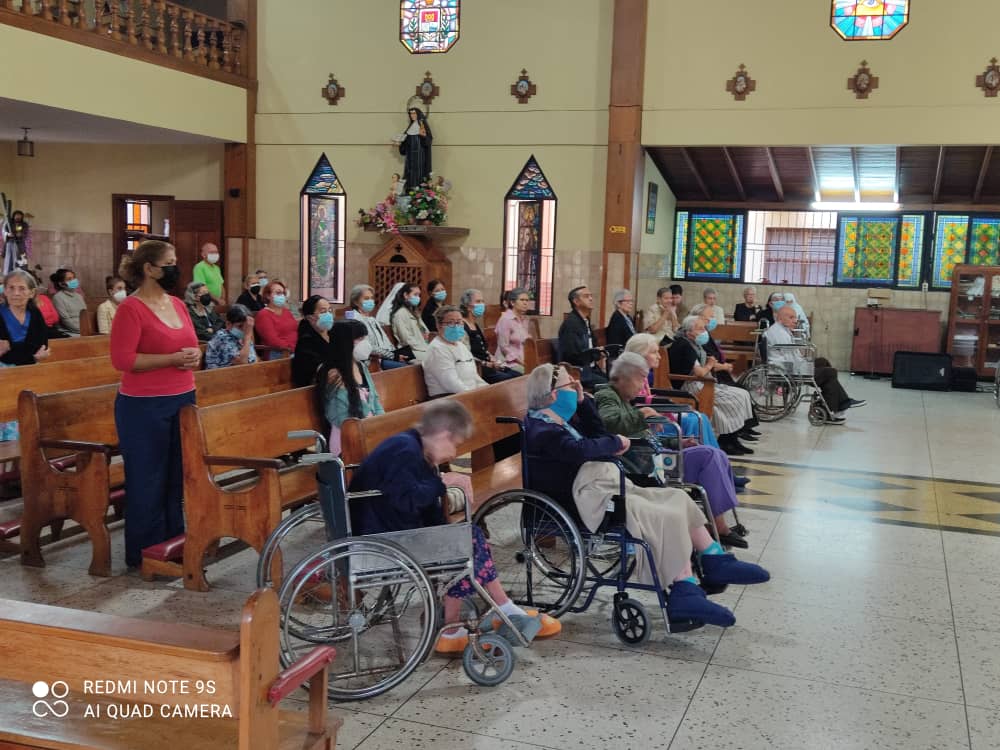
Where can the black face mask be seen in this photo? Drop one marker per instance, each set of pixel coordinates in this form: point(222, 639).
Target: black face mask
point(205, 299)
point(255, 289)
point(171, 275)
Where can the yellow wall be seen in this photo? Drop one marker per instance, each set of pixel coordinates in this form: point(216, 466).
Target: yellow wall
point(56, 73)
point(657, 248)
point(68, 186)
point(926, 94)
point(482, 136)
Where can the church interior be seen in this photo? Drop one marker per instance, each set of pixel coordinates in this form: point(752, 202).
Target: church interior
point(388, 171)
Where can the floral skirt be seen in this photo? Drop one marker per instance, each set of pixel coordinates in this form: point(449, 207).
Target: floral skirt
point(482, 565)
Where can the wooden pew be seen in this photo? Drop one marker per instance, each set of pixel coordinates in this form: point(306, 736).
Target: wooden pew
point(79, 648)
point(49, 377)
point(737, 342)
point(539, 352)
point(81, 423)
point(88, 322)
point(662, 378)
point(359, 437)
point(78, 348)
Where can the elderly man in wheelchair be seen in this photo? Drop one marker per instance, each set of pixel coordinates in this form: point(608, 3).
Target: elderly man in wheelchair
point(567, 451)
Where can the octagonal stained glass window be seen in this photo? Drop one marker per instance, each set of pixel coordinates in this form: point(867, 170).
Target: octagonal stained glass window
point(869, 20)
point(427, 26)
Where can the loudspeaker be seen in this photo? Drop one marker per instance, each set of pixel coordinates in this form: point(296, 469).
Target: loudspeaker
point(929, 372)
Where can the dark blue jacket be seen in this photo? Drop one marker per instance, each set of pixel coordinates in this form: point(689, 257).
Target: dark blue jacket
point(411, 488)
point(555, 456)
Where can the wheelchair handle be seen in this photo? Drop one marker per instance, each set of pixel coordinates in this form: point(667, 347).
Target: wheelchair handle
point(321, 444)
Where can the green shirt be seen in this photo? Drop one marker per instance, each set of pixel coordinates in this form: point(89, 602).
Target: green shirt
point(619, 417)
point(211, 276)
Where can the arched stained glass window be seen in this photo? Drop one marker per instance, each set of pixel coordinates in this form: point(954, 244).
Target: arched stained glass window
point(529, 236)
point(429, 25)
point(869, 20)
point(322, 215)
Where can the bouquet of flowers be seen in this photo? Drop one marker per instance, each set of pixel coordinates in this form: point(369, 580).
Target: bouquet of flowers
point(383, 217)
point(429, 201)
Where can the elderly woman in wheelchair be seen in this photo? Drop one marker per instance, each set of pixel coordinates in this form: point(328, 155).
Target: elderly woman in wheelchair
point(703, 465)
point(567, 448)
point(404, 469)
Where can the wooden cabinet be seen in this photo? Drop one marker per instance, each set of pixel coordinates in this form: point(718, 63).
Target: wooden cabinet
point(973, 338)
point(880, 332)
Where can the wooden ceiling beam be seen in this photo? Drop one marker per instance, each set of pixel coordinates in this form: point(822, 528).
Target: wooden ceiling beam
point(856, 172)
point(736, 175)
point(697, 175)
point(775, 178)
point(817, 191)
point(938, 175)
point(983, 169)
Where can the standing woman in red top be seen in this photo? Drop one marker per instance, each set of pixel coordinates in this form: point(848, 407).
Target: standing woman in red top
point(154, 345)
point(275, 326)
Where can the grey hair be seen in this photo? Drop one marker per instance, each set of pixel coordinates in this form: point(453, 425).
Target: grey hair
point(514, 293)
point(619, 296)
point(709, 290)
point(540, 387)
point(237, 314)
point(698, 309)
point(445, 415)
point(357, 290)
point(641, 343)
point(251, 277)
point(749, 289)
point(629, 365)
point(465, 301)
point(689, 322)
point(444, 310)
point(27, 278)
point(189, 292)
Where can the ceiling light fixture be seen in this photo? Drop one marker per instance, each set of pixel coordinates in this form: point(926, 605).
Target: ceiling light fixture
point(862, 206)
point(24, 146)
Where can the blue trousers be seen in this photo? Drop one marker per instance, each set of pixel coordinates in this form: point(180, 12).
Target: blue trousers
point(149, 433)
point(689, 426)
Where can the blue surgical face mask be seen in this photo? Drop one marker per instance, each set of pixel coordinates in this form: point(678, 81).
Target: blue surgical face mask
point(702, 338)
point(565, 404)
point(455, 332)
point(262, 282)
point(279, 300)
point(324, 321)
point(413, 301)
point(368, 305)
point(237, 333)
point(478, 309)
point(441, 296)
point(711, 324)
point(777, 304)
point(73, 284)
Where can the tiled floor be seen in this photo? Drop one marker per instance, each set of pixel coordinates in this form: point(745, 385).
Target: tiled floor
point(879, 628)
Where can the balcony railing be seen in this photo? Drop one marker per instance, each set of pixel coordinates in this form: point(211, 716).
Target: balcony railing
point(153, 30)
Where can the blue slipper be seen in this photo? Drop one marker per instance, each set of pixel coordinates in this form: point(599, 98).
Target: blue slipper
point(720, 569)
point(741, 481)
point(686, 601)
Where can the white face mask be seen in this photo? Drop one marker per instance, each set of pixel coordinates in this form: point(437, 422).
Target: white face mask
point(212, 257)
point(119, 296)
point(362, 350)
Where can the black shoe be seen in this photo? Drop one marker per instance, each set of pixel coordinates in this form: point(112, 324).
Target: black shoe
point(735, 448)
point(733, 540)
point(740, 529)
point(853, 403)
point(748, 437)
point(750, 431)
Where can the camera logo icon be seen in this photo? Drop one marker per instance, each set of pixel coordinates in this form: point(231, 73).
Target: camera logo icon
point(57, 707)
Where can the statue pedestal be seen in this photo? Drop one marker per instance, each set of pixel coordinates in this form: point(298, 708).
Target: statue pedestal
point(414, 256)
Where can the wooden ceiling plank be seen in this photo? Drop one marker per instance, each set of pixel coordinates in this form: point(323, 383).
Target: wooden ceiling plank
point(736, 175)
point(697, 175)
point(775, 178)
point(938, 175)
point(983, 169)
point(817, 192)
point(856, 171)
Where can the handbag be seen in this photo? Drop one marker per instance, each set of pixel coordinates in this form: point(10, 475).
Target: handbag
point(647, 459)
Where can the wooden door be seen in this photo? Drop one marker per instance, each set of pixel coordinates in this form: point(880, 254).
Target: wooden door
point(195, 223)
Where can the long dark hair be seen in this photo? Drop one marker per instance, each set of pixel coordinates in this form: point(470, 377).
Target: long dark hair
point(340, 357)
point(400, 299)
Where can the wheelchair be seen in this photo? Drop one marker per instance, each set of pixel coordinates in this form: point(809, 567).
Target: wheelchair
point(375, 597)
point(778, 384)
point(549, 561)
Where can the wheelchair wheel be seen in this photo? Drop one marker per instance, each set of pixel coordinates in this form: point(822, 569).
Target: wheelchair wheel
point(772, 392)
point(818, 412)
point(630, 621)
point(371, 599)
point(489, 661)
point(298, 534)
point(537, 550)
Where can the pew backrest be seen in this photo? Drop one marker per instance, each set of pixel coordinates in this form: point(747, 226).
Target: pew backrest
point(79, 347)
point(50, 377)
point(400, 386)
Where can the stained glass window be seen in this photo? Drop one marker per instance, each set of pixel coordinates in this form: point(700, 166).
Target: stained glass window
point(429, 25)
point(984, 241)
point(529, 236)
point(950, 242)
point(322, 215)
point(866, 252)
point(869, 20)
point(137, 222)
point(680, 244)
point(911, 251)
point(715, 246)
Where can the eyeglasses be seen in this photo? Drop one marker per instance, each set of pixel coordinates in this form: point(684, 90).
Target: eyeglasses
point(555, 377)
